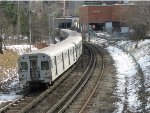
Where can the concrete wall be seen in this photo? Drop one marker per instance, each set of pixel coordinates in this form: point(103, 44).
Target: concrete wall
point(103, 13)
point(98, 15)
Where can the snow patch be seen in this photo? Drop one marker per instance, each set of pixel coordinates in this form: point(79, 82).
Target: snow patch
point(21, 49)
point(128, 84)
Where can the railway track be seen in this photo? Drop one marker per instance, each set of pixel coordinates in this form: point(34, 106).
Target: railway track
point(81, 85)
point(59, 96)
point(32, 96)
point(100, 64)
point(83, 99)
point(29, 95)
point(142, 90)
point(62, 105)
point(32, 101)
point(70, 96)
point(5, 108)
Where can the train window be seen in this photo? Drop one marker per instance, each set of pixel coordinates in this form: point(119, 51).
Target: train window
point(56, 65)
point(70, 51)
point(58, 59)
point(63, 61)
point(44, 65)
point(52, 63)
point(65, 56)
point(73, 54)
point(24, 66)
point(69, 56)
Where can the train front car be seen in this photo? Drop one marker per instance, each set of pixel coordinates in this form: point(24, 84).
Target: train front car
point(47, 64)
point(33, 69)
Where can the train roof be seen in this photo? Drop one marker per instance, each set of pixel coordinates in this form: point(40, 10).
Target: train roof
point(53, 50)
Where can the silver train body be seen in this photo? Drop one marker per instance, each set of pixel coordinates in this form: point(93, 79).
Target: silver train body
point(47, 64)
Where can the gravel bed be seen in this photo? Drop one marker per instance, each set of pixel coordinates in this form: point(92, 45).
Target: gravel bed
point(103, 99)
point(61, 90)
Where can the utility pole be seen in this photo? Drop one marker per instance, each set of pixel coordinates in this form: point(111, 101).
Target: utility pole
point(52, 20)
point(1, 40)
point(1, 51)
point(64, 13)
point(30, 24)
point(18, 21)
point(53, 28)
point(49, 25)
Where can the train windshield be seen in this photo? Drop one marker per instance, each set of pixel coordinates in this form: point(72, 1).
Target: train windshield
point(24, 66)
point(44, 65)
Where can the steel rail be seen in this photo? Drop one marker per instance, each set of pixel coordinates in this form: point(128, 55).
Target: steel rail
point(13, 102)
point(37, 99)
point(45, 93)
point(96, 85)
point(87, 73)
point(142, 90)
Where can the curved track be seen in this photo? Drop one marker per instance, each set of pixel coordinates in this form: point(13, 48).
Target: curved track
point(141, 92)
point(33, 96)
point(75, 90)
point(98, 79)
point(83, 79)
point(64, 92)
point(141, 74)
point(55, 92)
point(83, 100)
point(97, 94)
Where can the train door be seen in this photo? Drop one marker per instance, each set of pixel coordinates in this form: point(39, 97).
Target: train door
point(73, 54)
point(63, 61)
point(34, 70)
point(56, 65)
point(75, 51)
point(69, 56)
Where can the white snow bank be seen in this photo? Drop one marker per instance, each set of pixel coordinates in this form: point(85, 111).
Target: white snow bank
point(10, 81)
point(142, 55)
point(128, 82)
point(21, 49)
point(8, 97)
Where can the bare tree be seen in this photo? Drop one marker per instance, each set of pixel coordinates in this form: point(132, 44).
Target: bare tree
point(39, 21)
point(138, 20)
point(5, 28)
point(1, 51)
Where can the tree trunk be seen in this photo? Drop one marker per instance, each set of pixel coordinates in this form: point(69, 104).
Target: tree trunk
point(136, 46)
point(1, 51)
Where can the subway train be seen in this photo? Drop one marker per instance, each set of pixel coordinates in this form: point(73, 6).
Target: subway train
point(45, 65)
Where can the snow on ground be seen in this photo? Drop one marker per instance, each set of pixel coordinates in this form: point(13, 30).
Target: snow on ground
point(142, 55)
point(8, 97)
point(129, 84)
point(21, 49)
point(10, 83)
